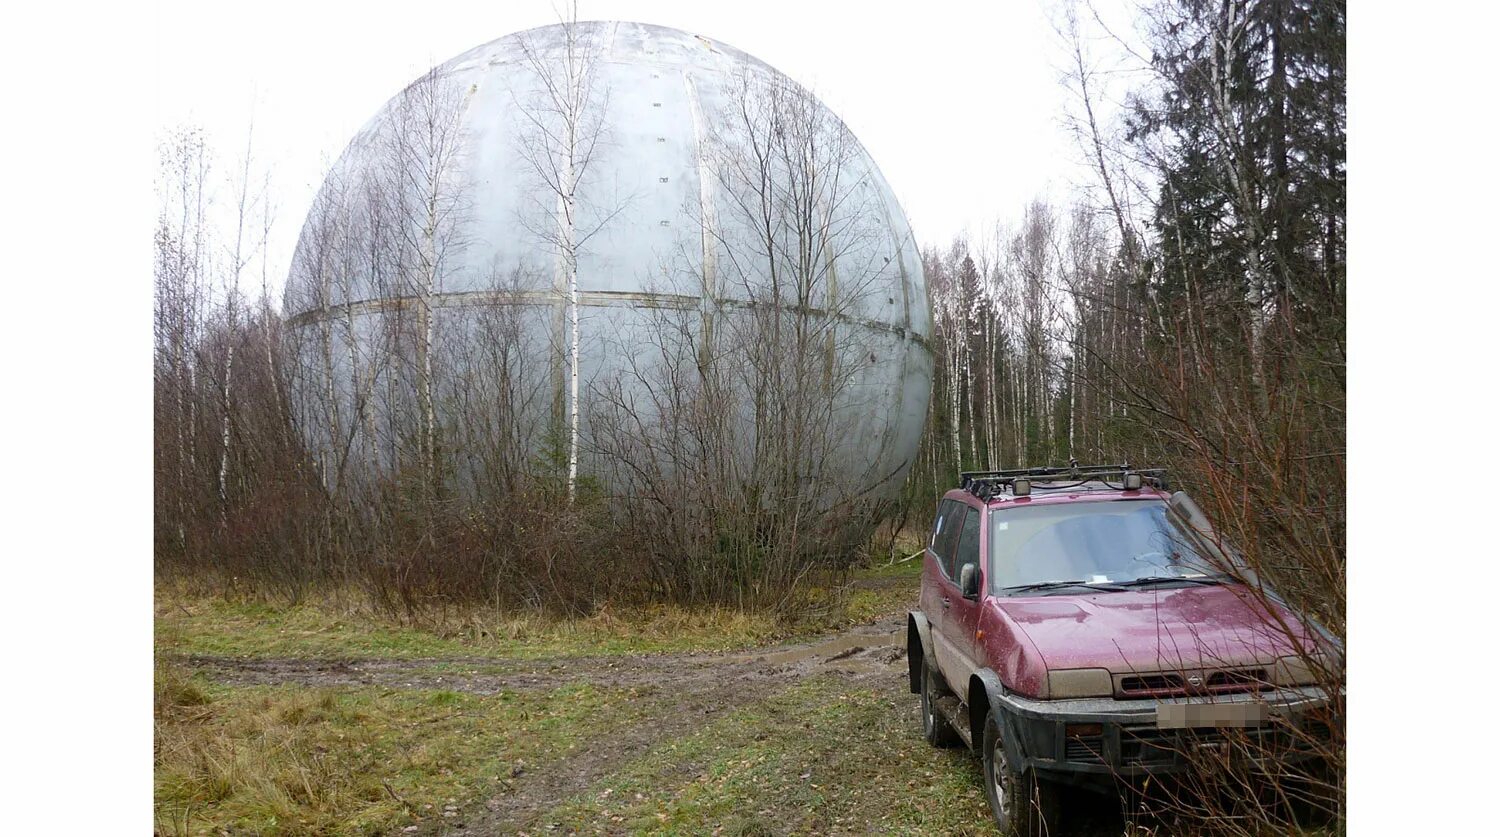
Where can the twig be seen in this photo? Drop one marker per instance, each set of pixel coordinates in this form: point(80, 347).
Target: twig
point(387, 785)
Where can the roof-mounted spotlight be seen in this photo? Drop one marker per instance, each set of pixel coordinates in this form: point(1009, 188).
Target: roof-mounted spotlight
point(1020, 488)
point(1132, 482)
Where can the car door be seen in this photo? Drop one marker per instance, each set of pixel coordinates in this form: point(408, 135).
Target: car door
point(962, 622)
point(940, 549)
point(948, 640)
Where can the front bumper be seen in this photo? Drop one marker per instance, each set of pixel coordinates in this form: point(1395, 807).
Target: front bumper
point(1122, 737)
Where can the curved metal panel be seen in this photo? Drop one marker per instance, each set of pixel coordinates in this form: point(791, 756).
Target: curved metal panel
point(671, 236)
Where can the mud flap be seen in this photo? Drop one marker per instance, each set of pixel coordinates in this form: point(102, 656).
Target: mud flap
point(918, 648)
point(1010, 729)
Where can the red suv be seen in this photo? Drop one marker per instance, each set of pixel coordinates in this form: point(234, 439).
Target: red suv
point(1083, 625)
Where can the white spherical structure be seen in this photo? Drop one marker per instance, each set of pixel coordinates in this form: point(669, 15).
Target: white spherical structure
point(661, 229)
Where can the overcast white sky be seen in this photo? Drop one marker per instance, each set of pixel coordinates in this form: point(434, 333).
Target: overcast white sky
point(960, 103)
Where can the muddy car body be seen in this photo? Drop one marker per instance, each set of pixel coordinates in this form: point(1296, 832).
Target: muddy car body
point(1077, 626)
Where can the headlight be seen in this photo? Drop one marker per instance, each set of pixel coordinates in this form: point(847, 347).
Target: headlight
point(1079, 682)
point(1294, 671)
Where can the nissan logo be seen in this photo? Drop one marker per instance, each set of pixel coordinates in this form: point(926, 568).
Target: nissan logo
point(1195, 681)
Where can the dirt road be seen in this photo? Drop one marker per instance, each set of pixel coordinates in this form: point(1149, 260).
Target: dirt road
point(875, 650)
point(811, 737)
point(683, 692)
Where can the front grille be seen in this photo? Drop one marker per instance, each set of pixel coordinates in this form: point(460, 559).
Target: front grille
point(1147, 745)
point(1248, 678)
point(1150, 682)
point(1226, 681)
point(1150, 745)
point(1087, 749)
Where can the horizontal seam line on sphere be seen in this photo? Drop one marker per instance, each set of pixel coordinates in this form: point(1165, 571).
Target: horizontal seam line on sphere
point(594, 299)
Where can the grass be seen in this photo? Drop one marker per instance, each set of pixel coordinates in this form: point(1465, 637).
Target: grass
point(328, 628)
point(819, 757)
point(289, 760)
point(336, 625)
point(906, 570)
point(825, 754)
point(882, 590)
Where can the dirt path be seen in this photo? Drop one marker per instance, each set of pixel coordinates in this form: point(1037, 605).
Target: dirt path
point(686, 691)
point(864, 650)
point(679, 694)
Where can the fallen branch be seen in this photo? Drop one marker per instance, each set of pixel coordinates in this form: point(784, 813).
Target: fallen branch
point(909, 557)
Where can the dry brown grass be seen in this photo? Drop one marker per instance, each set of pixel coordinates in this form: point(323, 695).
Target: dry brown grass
point(342, 622)
point(296, 760)
point(290, 760)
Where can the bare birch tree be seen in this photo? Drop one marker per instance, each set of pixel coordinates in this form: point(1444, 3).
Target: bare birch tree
point(565, 113)
point(390, 223)
point(181, 239)
point(241, 253)
point(422, 154)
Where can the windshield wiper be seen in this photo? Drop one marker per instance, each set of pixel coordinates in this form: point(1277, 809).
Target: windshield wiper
point(1050, 585)
point(1163, 579)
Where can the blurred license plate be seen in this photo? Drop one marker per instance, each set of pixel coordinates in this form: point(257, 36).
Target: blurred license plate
point(1185, 715)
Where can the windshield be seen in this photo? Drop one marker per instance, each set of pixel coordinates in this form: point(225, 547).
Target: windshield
point(1094, 543)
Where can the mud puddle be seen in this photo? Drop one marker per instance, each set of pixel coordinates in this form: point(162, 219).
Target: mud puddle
point(855, 652)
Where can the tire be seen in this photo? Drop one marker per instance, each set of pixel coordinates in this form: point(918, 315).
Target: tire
point(1022, 804)
point(935, 727)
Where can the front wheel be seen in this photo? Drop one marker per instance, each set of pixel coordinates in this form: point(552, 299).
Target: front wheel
point(935, 727)
point(1021, 803)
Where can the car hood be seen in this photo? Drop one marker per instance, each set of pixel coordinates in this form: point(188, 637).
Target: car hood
point(1156, 630)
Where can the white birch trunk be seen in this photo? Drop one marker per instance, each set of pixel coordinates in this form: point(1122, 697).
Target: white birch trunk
point(991, 436)
point(330, 396)
point(1021, 416)
point(429, 288)
point(224, 435)
point(571, 263)
point(958, 453)
point(1072, 401)
point(429, 412)
point(969, 394)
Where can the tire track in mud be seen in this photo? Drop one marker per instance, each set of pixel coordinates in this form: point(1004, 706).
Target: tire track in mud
point(517, 808)
point(865, 649)
point(693, 691)
point(686, 690)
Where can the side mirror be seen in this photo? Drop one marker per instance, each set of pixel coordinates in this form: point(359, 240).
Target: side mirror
point(968, 581)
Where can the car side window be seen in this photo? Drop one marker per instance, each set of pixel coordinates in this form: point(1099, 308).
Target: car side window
point(939, 525)
point(945, 537)
point(968, 544)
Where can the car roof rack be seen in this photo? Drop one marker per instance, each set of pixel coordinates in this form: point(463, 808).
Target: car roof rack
point(987, 485)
